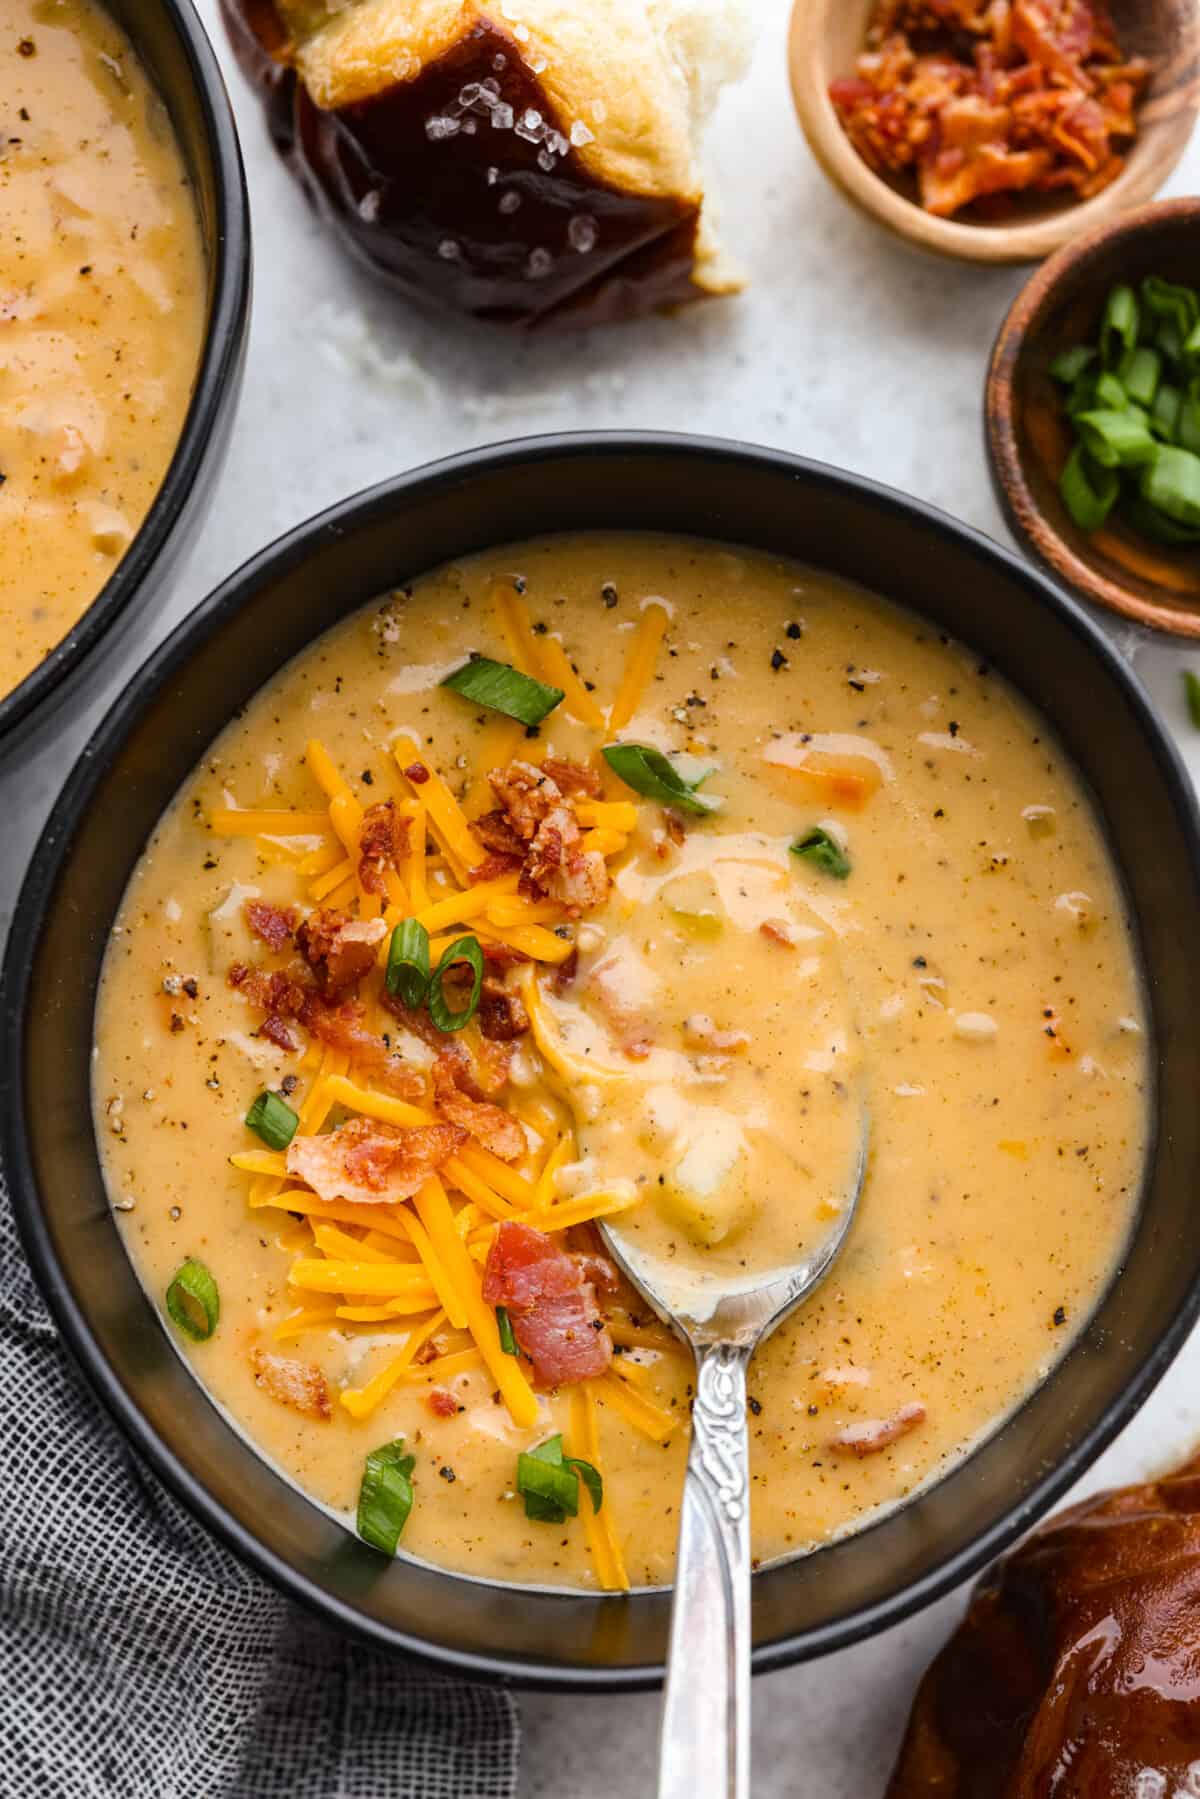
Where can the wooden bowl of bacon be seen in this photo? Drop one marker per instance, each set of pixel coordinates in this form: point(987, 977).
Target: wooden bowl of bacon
point(996, 132)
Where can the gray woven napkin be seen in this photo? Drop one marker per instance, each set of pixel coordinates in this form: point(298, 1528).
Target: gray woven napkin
point(139, 1660)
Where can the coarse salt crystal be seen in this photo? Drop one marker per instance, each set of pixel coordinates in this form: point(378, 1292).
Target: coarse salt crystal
point(368, 206)
point(448, 250)
point(582, 233)
point(540, 262)
point(510, 201)
point(581, 135)
point(502, 117)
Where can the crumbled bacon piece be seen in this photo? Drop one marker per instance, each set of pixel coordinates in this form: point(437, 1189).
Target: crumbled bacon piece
point(339, 949)
point(495, 833)
point(493, 866)
point(489, 1124)
point(279, 995)
point(502, 1015)
point(874, 1434)
point(551, 1303)
point(777, 931)
point(573, 777)
point(417, 773)
point(369, 1163)
point(343, 1027)
point(542, 818)
point(992, 99)
point(274, 924)
point(382, 844)
point(300, 1385)
point(441, 1403)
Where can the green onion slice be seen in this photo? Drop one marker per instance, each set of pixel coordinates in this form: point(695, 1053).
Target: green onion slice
point(1143, 518)
point(1139, 372)
point(408, 963)
point(1191, 688)
point(1068, 365)
point(465, 950)
point(194, 1302)
point(1108, 394)
point(1172, 483)
point(1119, 330)
point(1115, 439)
point(508, 1341)
point(1089, 493)
point(1187, 425)
point(649, 772)
point(272, 1119)
point(549, 1481)
point(590, 1477)
point(1169, 300)
point(824, 852)
point(1164, 414)
point(385, 1497)
point(504, 689)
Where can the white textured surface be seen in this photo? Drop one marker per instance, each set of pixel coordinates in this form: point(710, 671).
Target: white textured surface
point(846, 348)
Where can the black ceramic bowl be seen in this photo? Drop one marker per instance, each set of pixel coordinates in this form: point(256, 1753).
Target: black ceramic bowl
point(162, 724)
point(182, 68)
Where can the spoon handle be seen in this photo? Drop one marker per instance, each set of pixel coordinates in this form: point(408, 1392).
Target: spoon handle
point(704, 1749)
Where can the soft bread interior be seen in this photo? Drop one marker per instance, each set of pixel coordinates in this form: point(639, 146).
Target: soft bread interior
point(633, 81)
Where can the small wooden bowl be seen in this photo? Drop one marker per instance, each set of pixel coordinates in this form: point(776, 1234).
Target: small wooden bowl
point(826, 37)
point(1029, 438)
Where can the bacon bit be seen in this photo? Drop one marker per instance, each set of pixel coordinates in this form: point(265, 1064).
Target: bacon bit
point(638, 1049)
point(551, 1302)
point(502, 1015)
point(441, 1403)
point(274, 924)
point(565, 973)
point(417, 773)
point(573, 777)
point(342, 1027)
point(502, 955)
point(778, 932)
point(493, 866)
point(490, 1125)
point(874, 1434)
point(495, 833)
point(493, 1065)
point(675, 828)
point(366, 1162)
point(979, 100)
point(382, 844)
point(278, 994)
point(699, 1032)
point(339, 949)
point(300, 1385)
point(542, 819)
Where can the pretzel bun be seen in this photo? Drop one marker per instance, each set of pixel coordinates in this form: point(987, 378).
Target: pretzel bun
point(1074, 1671)
point(524, 161)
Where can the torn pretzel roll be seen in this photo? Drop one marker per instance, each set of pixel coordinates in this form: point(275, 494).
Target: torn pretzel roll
point(528, 162)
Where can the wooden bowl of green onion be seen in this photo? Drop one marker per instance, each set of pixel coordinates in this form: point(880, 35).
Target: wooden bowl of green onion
point(1092, 413)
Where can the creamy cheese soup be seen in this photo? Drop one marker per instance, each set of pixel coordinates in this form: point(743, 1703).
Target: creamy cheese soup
point(101, 313)
point(848, 872)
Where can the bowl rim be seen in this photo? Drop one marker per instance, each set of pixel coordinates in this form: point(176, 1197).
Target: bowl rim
point(165, 663)
point(1007, 464)
point(229, 261)
point(1022, 240)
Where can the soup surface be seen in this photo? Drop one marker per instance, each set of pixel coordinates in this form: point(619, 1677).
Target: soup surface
point(101, 307)
point(900, 906)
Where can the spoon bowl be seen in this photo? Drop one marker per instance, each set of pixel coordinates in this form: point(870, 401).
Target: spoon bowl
point(704, 1750)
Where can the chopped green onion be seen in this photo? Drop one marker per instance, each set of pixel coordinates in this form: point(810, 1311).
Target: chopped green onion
point(590, 1477)
point(1168, 300)
point(1164, 414)
point(1089, 494)
point(1068, 365)
point(193, 1301)
point(1115, 439)
point(504, 689)
point(272, 1119)
point(1139, 373)
point(446, 1019)
point(1147, 522)
point(1119, 329)
point(1082, 396)
point(824, 852)
point(1191, 688)
point(1169, 340)
point(508, 1341)
point(408, 963)
point(385, 1497)
point(1172, 484)
point(1187, 425)
point(1108, 394)
point(549, 1488)
point(652, 774)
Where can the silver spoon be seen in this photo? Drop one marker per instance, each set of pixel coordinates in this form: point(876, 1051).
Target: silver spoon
point(704, 1745)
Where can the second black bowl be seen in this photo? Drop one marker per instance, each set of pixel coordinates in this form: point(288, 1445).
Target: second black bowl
point(164, 722)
